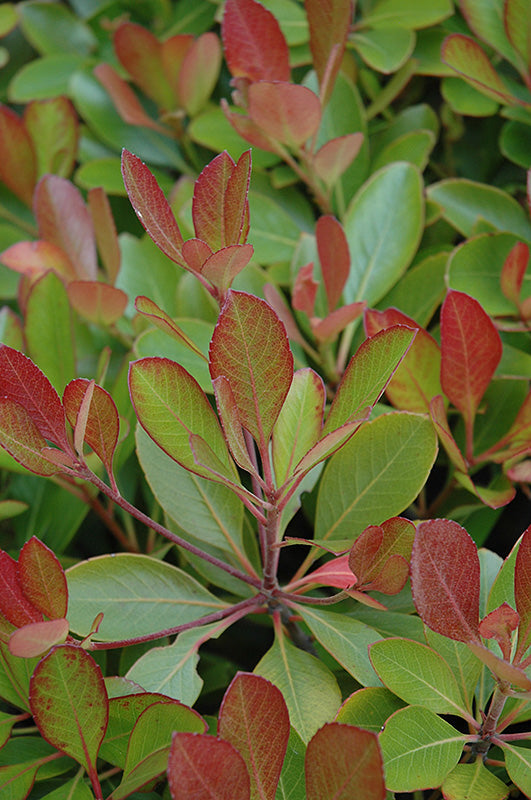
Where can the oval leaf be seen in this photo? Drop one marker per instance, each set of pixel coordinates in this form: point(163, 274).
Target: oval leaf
point(42, 579)
point(202, 767)
point(255, 47)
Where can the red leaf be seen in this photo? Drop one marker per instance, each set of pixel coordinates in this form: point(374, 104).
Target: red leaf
point(35, 258)
point(96, 301)
point(231, 423)
point(416, 381)
point(140, 52)
point(250, 348)
point(287, 112)
point(380, 555)
point(105, 229)
point(255, 47)
point(440, 421)
point(335, 572)
point(25, 384)
point(20, 436)
point(37, 638)
point(165, 323)
point(305, 290)
point(333, 158)
point(223, 266)
point(499, 625)
point(513, 271)
point(43, 579)
point(55, 200)
point(125, 100)
point(174, 51)
point(220, 208)
point(199, 72)
point(470, 351)
point(151, 206)
point(18, 167)
point(248, 129)
point(202, 767)
point(329, 22)
point(14, 604)
point(102, 424)
point(344, 763)
point(445, 579)
point(328, 328)
point(254, 718)
point(334, 256)
point(522, 593)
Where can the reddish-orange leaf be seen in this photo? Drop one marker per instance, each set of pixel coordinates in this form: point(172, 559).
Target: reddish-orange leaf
point(14, 604)
point(236, 201)
point(250, 348)
point(125, 100)
point(140, 52)
point(333, 158)
point(163, 321)
point(36, 638)
point(503, 670)
point(335, 572)
point(513, 271)
point(56, 200)
point(440, 420)
point(222, 267)
point(34, 258)
point(255, 47)
point(53, 126)
point(173, 52)
point(376, 547)
point(445, 579)
point(344, 763)
point(195, 253)
point(102, 424)
point(471, 349)
point(328, 328)
point(151, 206)
point(22, 439)
point(105, 230)
point(499, 625)
point(417, 379)
point(43, 579)
point(199, 72)
point(329, 22)
point(287, 112)
point(202, 767)
point(248, 129)
point(18, 164)
point(96, 301)
point(254, 718)
point(22, 382)
point(522, 582)
point(231, 423)
point(305, 290)
point(334, 256)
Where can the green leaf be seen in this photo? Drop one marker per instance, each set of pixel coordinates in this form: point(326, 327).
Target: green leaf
point(383, 226)
point(172, 670)
point(212, 129)
point(309, 688)
point(369, 708)
point(75, 788)
point(464, 203)
point(421, 290)
point(475, 782)
point(274, 232)
point(376, 475)
point(346, 639)
point(419, 749)
point(158, 283)
point(291, 785)
point(405, 14)
point(69, 703)
point(138, 595)
point(384, 49)
point(418, 675)
point(52, 28)
point(518, 763)
point(45, 78)
point(414, 147)
point(486, 20)
point(468, 58)
point(463, 98)
point(515, 144)
point(464, 665)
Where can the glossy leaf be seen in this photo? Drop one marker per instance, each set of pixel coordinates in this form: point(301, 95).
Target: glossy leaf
point(102, 424)
point(33, 258)
point(513, 271)
point(344, 763)
point(201, 767)
point(334, 573)
point(416, 379)
point(223, 266)
point(250, 348)
point(42, 578)
point(254, 719)
point(367, 375)
point(24, 383)
point(445, 579)
point(307, 685)
point(199, 72)
point(305, 290)
point(113, 584)
point(14, 605)
point(105, 231)
point(370, 707)
point(465, 55)
point(475, 782)
point(518, 764)
point(125, 100)
point(254, 45)
point(220, 207)
point(36, 638)
point(53, 127)
point(334, 257)
point(470, 352)
point(18, 168)
point(418, 675)
point(146, 306)
point(419, 749)
point(298, 427)
point(151, 206)
point(376, 475)
point(141, 54)
point(171, 406)
point(522, 578)
point(329, 327)
point(286, 112)
point(22, 439)
point(329, 23)
point(69, 703)
point(335, 156)
point(55, 200)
